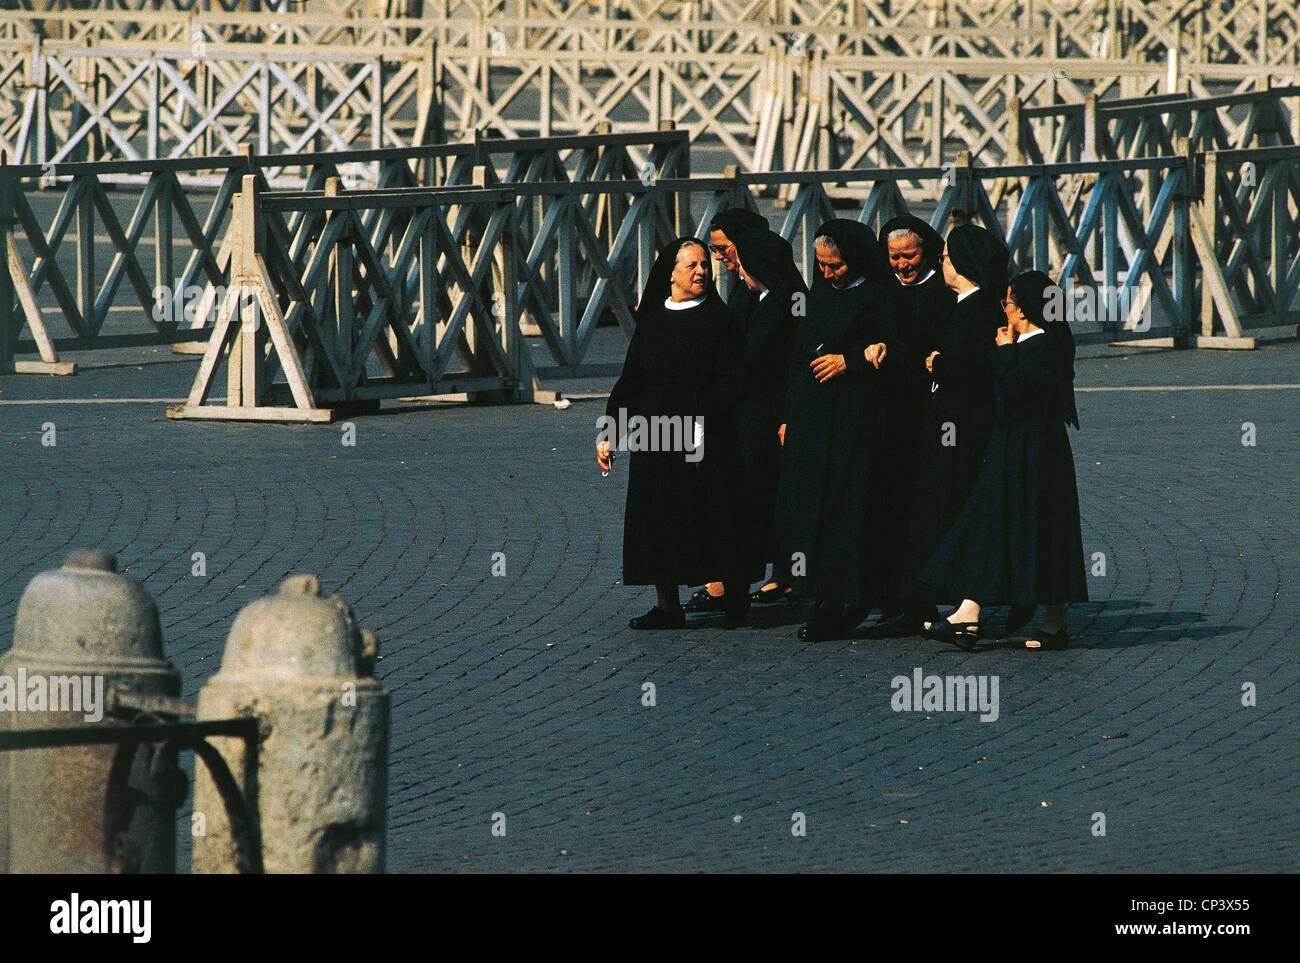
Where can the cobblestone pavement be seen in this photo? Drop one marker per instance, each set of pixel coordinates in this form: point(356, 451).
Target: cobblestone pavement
point(522, 694)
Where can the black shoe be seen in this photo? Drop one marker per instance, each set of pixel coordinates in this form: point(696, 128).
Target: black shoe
point(702, 601)
point(771, 596)
point(1055, 641)
point(657, 618)
point(854, 613)
point(1019, 617)
point(822, 628)
point(964, 635)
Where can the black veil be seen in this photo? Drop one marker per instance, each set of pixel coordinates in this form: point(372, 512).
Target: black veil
point(981, 256)
point(858, 248)
point(768, 257)
point(736, 220)
point(1031, 290)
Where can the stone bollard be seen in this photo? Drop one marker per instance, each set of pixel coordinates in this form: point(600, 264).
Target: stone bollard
point(80, 631)
point(317, 782)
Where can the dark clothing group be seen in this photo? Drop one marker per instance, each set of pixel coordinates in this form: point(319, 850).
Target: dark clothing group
point(896, 486)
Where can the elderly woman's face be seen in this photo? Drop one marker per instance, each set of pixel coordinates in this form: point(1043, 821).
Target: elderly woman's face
point(690, 273)
point(907, 259)
point(724, 252)
point(832, 266)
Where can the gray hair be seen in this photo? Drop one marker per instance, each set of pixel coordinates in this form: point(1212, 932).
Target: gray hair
point(825, 240)
point(902, 234)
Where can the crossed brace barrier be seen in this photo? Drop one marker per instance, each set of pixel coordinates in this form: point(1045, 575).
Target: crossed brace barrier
point(347, 310)
point(329, 299)
point(873, 87)
point(183, 210)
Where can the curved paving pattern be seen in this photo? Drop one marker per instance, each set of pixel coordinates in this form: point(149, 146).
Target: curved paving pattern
point(521, 694)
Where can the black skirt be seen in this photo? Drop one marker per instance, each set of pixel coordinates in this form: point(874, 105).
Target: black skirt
point(1017, 539)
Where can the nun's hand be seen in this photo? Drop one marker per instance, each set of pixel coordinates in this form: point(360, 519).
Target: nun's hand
point(828, 366)
point(1005, 336)
point(929, 362)
point(604, 457)
point(875, 354)
point(780, 433)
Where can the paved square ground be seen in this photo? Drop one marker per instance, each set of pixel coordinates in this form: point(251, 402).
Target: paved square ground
point(522, 694)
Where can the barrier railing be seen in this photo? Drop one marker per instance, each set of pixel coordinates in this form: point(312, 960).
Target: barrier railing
point(65, 101)
point(176, 294)
point(1153, 242)
point(1247, 234)
point(357, 307)
point(803, 94)
point(1150, 126)
point(1263, 32)
point(376, 293)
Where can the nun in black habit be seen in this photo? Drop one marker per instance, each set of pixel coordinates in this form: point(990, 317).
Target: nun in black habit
point(725, 227)
point(832, 491)
point(751, 393)
point(914, 251)
point(957, 416)
point(1017, 540)
point(673, 360)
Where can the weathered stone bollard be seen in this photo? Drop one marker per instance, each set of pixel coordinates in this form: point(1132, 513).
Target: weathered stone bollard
point(318, 781)
point(80, 631)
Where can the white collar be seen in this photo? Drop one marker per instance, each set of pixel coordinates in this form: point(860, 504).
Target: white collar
point(672, 305)
point(914, 283)
point(1029, 334)
point(848, 286)
point(967, 293)
point(764, 293)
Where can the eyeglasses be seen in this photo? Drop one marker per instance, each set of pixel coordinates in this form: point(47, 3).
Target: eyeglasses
point(1007, 302)
point(721, 248)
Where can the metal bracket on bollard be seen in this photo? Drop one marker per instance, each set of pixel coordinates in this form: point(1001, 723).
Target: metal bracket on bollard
point(175, 735)
point(187, 734)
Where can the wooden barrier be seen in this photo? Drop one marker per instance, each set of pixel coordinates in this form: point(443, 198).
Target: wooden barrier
point(1151, 126)
point(178, 292)
point(1164, 241)
point(776, 85)
point(1246, 229)
point(349, 308)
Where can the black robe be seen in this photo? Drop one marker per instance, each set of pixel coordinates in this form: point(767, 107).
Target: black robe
point(672, 361)
point(956, 421)
point(740, 299)
point(750, 396)
point(1017, 539)
point(926, 307)
point(832, 486)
